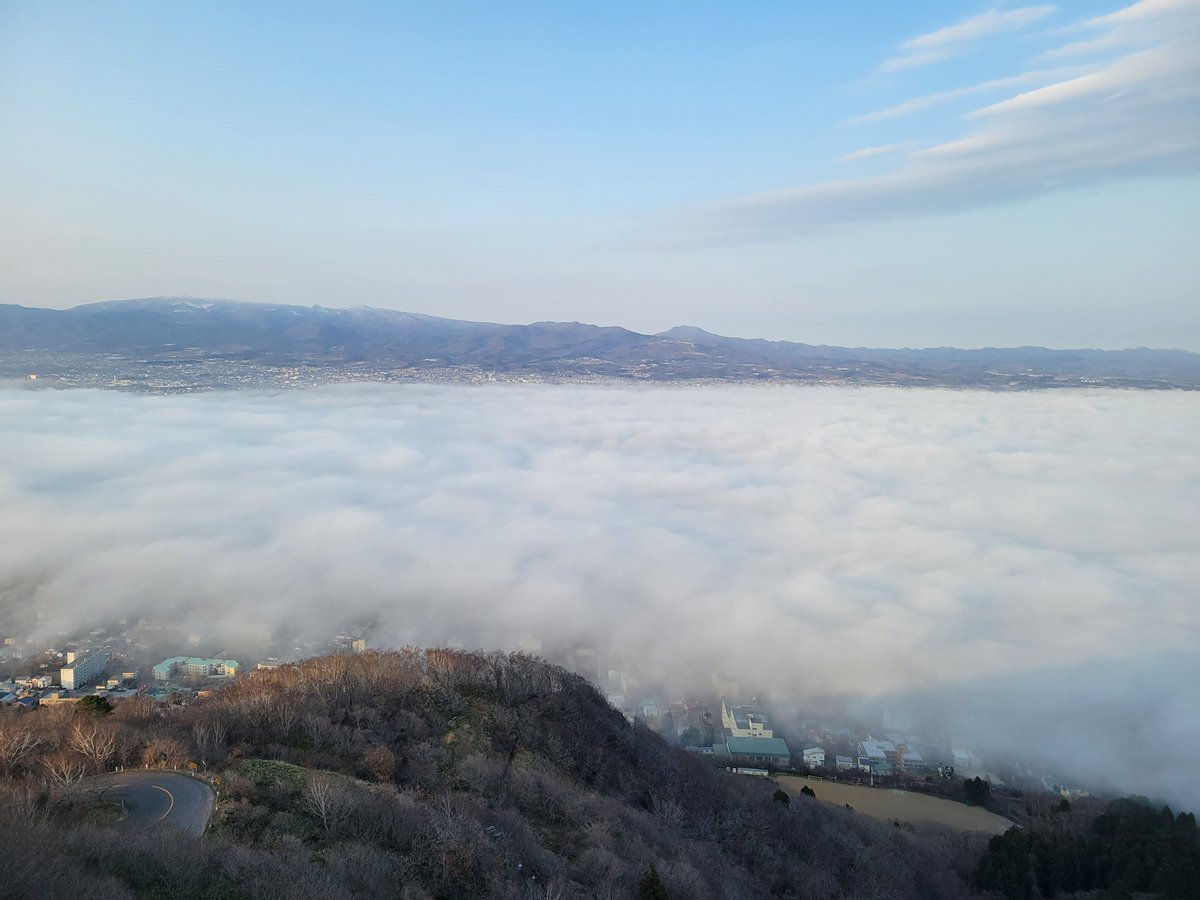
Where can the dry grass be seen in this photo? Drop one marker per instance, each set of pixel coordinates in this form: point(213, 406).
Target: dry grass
point(922, 812)
point(99, 813)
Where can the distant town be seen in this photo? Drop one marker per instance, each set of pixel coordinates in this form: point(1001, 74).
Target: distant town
point(746, 734)
point(189, 377)
point(179, 345)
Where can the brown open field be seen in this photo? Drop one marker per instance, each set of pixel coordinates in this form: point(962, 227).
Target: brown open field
point(900, 806)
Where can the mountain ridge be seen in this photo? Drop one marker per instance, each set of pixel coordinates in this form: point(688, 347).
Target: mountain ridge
point(182, 331)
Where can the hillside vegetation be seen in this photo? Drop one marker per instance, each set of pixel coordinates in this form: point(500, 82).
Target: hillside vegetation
point(1132, 847)
point(433, 774)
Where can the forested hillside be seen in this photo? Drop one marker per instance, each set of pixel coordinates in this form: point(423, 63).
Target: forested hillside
point(431, 774)
point(1131, 848)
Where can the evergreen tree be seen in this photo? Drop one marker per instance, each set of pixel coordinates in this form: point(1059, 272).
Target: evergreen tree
point(651, 886)
point(94, 705)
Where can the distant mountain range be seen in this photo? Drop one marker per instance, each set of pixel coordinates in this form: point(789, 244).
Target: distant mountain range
point(135, 342)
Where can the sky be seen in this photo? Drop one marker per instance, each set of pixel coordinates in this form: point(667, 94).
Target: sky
point(875, 173)
point(1023, 565)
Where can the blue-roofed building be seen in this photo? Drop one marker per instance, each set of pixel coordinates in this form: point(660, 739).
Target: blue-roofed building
point(771, 751)
point(879, 757)
point(911, 759)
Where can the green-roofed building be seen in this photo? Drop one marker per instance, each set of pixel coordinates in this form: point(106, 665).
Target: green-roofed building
point(183, 666)
point(770, 751)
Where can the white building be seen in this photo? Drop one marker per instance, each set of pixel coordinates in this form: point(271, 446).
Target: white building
point(876, 756)
point(912, 759)
point(81, 670)
point(966, 759)
point(814, 758)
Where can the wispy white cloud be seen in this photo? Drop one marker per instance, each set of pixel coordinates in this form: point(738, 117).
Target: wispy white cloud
point(869, 152)
point(945, 42)
point(913, 60)
point(1126, 117)
point(1139, 12)
point(1163, 66)
point(1131, 25)
point(928, 101)
point(1084, 48)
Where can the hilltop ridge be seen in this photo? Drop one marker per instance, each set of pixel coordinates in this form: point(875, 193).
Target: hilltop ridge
point(188, 343)
point(443, 773)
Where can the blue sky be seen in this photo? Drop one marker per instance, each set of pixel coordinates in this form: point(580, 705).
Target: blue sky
point(869, 173)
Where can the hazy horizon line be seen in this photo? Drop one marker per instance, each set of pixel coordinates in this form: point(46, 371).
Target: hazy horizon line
point(666, 332)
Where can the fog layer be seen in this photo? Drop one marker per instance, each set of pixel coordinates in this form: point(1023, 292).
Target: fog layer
point(830, 541)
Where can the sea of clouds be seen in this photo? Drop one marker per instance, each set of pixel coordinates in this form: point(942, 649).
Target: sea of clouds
point(1027, 562)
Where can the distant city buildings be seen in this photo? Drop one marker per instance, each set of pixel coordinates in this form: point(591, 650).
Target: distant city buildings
point(745, 721)
point(733, 734)
point(911, 758)
point(878, 757)
point(748, 738)
point(183, 666)
point(82, 669)
point(770, 751)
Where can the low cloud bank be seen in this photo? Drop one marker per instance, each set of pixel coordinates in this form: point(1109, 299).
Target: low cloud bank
point(826, 541)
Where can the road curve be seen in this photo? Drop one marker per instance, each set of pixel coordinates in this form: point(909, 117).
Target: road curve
point(153, 799)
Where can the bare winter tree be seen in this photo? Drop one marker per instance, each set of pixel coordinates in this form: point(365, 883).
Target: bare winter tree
point(16, 744)
point(211, 740)
point(97, 741)
point(380, 762)
point(65, 768)
point(138, 710)
point(164, 753)
point(20, 800)
point(325, 799)
point(285, 713)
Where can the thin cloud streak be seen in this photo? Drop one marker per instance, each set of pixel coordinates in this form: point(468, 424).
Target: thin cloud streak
point(945, 42)
point(1134, 24)
point(830, 541)
point(869, 152)
point(928, 101)
point(1131, 117)
point(1139, 12)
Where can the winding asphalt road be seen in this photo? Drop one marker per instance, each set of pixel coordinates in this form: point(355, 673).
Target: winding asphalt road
point(155, 798)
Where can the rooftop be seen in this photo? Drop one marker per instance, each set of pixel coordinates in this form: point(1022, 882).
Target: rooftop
point(82, 656)
point(877, 749)
point(197, 661)
point(754, 746)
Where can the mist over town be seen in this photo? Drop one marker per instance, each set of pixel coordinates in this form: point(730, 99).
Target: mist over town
point(662, 451)
point(1009, 570)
